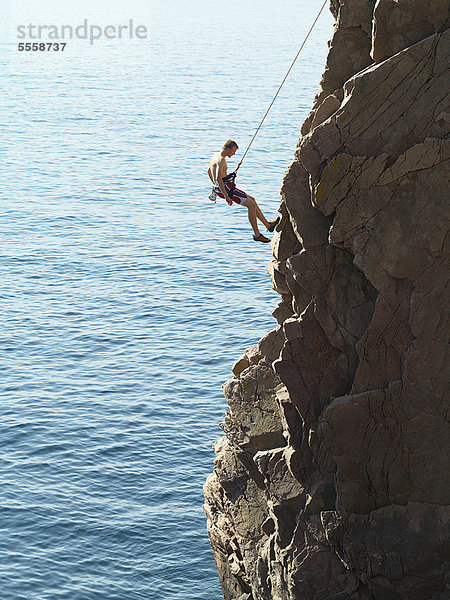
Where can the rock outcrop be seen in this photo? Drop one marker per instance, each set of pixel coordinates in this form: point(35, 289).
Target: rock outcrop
point(332, 479)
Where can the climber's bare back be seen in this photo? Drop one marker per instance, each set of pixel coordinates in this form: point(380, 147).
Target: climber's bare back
point(218, 166)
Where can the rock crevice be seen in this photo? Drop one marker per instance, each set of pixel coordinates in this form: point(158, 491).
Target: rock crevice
point(332, 480)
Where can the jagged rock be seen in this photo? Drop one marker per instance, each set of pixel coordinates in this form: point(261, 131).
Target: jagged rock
point(387, 108)
point(252, 356)
point(328, 107)
point(281, 484)
point(254, 421)
point(332, 481)
point(284, 309)
point(277, 272)
point(271, 344)
point(310, 225)
point(308, 352)
point(403, 548)
point(240, 365)
point(349, 53)
point(384, 457)
point(398, 24)
point(236, 510)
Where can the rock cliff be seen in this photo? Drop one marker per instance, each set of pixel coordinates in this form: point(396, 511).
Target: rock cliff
point(332, 478)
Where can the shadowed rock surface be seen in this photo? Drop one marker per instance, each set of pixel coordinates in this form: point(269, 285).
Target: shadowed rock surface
point(332, 479)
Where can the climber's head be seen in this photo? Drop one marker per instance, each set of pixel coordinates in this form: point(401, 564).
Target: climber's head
point(229, 148)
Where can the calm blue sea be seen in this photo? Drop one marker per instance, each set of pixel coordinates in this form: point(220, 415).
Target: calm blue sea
point(126, 294)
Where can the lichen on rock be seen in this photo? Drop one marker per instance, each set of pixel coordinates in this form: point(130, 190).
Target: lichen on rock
point(332, 478)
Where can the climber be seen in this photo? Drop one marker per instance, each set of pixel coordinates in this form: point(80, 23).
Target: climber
point(226, 189)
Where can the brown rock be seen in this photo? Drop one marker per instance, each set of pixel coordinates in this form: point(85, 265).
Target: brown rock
point(240, 365)
point(394, 108)
point(349, 53)
point(332, 481)
point(398, 24)
point(310, 225)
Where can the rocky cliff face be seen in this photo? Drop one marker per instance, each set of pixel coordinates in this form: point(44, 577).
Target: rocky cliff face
point(331, 479)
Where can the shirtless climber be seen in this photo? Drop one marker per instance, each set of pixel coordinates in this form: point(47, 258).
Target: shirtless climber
point(217, 171)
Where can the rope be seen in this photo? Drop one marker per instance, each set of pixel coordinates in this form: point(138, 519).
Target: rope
point(281, 85)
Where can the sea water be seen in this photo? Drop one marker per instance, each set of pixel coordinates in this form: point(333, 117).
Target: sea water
point(126, 294)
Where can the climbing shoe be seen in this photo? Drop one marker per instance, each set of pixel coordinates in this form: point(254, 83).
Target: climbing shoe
point(273, 224)
point(261, 238)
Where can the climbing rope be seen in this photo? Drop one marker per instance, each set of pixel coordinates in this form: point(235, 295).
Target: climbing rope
point(281, 85)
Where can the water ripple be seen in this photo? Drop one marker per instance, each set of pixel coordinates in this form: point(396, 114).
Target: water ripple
point(126, 295)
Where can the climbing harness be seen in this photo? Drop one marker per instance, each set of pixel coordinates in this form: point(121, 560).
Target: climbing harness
point(232, 176)
point(229, 179)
